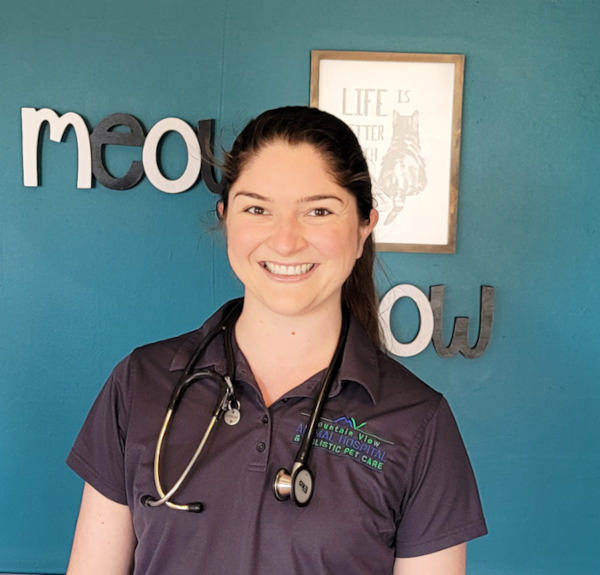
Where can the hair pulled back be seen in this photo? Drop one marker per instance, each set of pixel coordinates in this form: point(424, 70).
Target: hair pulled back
point(344, 159)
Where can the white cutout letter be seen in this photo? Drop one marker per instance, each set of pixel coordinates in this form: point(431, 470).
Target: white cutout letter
point(31, 122)
point(423, 337)
point(192, 170)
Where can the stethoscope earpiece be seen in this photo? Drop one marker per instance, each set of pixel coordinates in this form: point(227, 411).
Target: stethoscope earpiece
point(196, 507)
point(149, 501)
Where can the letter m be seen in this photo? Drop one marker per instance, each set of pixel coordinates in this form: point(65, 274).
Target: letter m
point(31, 123)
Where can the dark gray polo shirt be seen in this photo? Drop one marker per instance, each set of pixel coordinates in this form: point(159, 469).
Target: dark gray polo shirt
point(392, 478)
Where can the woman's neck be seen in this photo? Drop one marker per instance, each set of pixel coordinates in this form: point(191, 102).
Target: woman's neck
point(283, 351)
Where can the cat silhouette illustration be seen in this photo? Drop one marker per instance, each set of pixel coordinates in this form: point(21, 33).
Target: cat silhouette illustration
point(402, 171)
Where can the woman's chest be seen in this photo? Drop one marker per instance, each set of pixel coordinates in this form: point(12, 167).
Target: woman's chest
point(350, 523)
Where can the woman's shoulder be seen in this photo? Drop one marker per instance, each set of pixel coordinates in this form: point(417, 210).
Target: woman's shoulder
point(397, 378)
point(177, 349)
point(163, 348)
point(384, 376)
point(403, 391)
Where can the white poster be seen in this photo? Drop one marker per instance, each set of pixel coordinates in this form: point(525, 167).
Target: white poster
point(404, 113)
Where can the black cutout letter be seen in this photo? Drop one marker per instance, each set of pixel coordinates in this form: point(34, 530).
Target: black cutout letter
point(460, 336)
point(103, 136)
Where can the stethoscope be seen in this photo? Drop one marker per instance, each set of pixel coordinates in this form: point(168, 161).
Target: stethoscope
point(297, 485)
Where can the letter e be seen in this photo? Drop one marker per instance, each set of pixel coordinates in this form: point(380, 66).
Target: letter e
point(103, 135)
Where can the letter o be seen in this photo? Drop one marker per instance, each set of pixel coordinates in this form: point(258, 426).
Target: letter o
point(423, 337)
point(192, 170)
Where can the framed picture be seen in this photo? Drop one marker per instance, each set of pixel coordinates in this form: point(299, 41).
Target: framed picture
point(406, 110)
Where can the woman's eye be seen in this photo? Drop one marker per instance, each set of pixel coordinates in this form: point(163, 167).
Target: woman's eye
point(319, 212)
point(256, 210)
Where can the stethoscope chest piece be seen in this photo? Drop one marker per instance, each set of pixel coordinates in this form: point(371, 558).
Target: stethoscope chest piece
point(298, 486)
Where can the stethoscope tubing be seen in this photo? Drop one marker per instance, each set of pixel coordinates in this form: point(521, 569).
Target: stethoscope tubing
point(165, 497)
point(226, 389)
point(299, 483)
point(332, 369)
point(226, 399)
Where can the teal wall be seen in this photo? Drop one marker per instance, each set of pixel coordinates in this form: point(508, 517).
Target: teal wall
point(85, 275)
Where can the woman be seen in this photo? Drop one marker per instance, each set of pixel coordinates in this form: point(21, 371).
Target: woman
point(393, 489)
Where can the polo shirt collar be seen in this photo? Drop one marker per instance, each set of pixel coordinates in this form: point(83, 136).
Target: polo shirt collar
point(359, 364)
point(214, 354)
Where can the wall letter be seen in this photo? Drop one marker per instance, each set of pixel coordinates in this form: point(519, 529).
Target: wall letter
point(423, 337)
point(31, 122)
point(192, 170)
point(102, 136)
point(460, 336)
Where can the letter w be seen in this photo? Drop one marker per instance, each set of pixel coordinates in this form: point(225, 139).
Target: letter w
point(460, 334)
point(31, 123)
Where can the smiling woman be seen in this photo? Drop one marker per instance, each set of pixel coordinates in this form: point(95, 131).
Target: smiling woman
point(301, 363)
point(293, 234)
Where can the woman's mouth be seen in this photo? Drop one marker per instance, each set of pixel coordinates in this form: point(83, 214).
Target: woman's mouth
point(287, 270)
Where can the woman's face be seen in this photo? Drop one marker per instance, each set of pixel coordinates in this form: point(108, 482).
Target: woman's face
point(293, 234)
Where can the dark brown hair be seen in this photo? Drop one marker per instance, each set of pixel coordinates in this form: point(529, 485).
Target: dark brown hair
point(344, 158)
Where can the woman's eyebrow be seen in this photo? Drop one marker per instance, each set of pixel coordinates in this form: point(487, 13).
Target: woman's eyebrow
point(320, 197)
point(302, 200)
point(252, 195)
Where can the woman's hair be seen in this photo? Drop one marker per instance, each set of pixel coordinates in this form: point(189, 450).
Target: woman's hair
point(344, 159)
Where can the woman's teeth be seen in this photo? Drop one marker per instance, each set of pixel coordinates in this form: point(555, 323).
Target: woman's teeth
point(282, 270)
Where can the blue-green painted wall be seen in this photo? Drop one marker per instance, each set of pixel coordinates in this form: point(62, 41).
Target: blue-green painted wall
point(85, 275)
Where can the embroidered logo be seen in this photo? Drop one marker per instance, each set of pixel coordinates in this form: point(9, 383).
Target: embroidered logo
point(345, 437)
point(348, 421)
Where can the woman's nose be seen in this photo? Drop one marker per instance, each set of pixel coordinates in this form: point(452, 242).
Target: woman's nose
point(287, 235)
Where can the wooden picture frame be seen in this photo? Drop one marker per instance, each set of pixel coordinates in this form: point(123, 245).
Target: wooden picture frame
point(406, 110)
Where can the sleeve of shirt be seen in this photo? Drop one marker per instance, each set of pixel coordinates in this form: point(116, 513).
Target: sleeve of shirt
point(442, 506)
point(97, 455)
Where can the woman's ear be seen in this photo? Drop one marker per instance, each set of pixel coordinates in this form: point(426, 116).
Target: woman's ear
point(220, 210)
point(373, 219)
point(366, 228)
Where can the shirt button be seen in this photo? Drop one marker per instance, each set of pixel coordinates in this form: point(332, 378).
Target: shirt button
point(265, 419)
point(260, 446)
